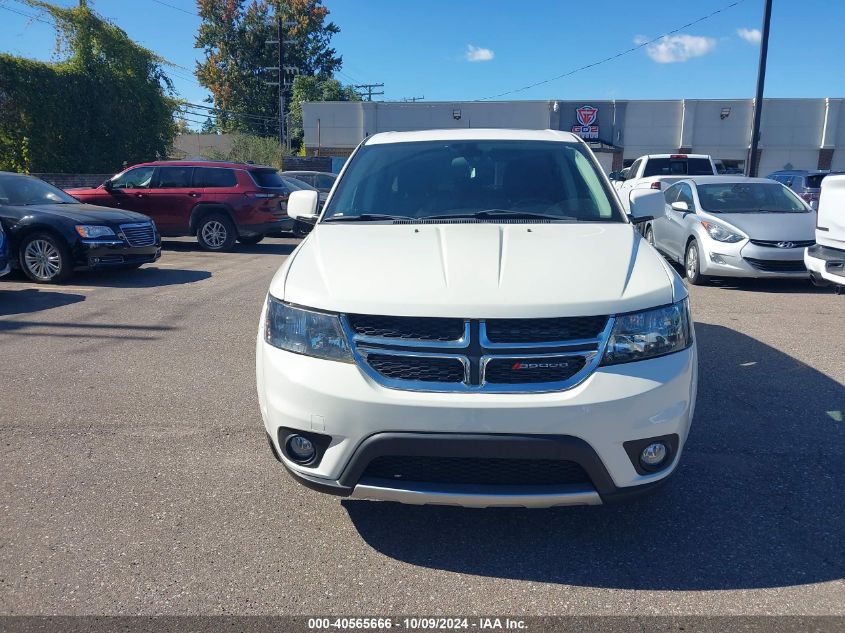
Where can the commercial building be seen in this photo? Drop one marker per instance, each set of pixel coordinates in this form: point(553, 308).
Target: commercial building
point(795, 133)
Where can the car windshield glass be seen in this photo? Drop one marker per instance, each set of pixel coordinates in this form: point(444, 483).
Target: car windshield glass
point(752, 197)
point(431, 179)
point(25, 190)
point(678, 167)
point(297, 184)
point(267, 178)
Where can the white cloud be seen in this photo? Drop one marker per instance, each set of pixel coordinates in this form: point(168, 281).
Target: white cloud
point(478, 54)
point(752, 36)
point(678, 48)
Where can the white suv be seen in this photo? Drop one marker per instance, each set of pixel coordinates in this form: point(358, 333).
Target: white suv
point(474, 321)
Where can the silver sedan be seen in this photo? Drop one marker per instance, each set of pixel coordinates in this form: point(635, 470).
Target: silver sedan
point(731, 226)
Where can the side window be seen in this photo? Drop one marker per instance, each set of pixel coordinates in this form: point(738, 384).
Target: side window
point(138, 178)
point(323, 181)
point(633, 169)
point(685, 195)
point(211, 177)
point(671, 194)
point(174, 177)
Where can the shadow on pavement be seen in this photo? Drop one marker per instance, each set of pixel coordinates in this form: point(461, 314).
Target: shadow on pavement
point(758, 500)
point(34, 300)
point(148, 276)
point(790, 286)
point(265, 247)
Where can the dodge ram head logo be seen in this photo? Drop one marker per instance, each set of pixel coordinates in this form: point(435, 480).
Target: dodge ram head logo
point(586, 115)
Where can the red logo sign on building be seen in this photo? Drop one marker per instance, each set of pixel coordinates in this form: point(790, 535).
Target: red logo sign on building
point(586, 116)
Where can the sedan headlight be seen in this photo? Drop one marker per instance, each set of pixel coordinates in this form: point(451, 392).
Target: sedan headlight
point(720, 233)
point(94, 230)
point(647, 334)
point(305, 332)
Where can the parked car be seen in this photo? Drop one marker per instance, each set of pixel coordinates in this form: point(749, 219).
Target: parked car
point(296, 184)
point(806, 184)
point(51, 234)
point(218, 202)
point(826, 259)
point(657, 171)
point(320, 180)
point(5, 257)
point(475, 321)
point(732, 226)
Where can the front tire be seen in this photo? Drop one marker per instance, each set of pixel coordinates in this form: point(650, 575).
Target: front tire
point(692, 265)
point(45, 259)
point(215, 232)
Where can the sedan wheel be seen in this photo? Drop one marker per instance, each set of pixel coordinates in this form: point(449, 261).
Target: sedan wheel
point(692, 265)
point(44, 259)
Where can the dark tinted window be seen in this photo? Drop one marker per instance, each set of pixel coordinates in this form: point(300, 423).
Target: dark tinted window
point(214, 177)
point(435, 178)
point(685, 195)
point(267, 178)
point(25, 190)
point(174, 177)
point(137, 178)
point(671, 194)
point(678, 167)
point(297, 184)
point(324, 181)
point(814, 181)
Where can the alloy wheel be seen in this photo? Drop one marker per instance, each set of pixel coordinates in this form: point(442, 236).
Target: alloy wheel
point(214, 234)
point(692, 261)
point(42, 259)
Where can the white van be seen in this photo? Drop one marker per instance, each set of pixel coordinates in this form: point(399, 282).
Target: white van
point(475, 321)
point(826, 259)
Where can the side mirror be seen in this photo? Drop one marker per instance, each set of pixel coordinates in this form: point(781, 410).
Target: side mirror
point(680, 206)
point(646, 204)
point(108, 186)
point(615, 175)
point(302, 206)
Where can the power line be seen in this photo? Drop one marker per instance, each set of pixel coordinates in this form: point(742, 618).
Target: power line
point(368, 88)
point(165, 4)
point(232, 112)
point(616, 56)
point(26, 15)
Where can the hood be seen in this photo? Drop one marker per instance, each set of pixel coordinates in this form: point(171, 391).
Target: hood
point(771, 226)
point(476, 270)
point(85, 213)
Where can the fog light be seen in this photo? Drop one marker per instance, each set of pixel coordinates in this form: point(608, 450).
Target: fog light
point(653, 455)
point(716, 258)
point(301, 449)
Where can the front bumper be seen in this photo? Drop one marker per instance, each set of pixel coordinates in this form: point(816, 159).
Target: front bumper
point(588, 424)
point(826, 263)
point(109, 253)
point(720, 259)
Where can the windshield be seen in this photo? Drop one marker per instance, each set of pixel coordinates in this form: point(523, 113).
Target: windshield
point(297, 184)
point(678, 167)
point(26, 190)
point(439, 179)
point(753, 197)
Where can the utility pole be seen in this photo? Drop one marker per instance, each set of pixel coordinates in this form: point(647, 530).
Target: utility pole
point(751, 168)
point(369, 90)
point(280, 60)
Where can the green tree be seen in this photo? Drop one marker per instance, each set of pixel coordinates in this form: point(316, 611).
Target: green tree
point(234, 35)
point(106, 101)
point(314, 89)
point(261, 150)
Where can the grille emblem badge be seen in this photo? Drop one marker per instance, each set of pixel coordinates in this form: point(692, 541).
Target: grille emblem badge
point(785, 245)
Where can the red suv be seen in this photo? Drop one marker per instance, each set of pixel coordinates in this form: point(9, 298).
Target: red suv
point(218, 202)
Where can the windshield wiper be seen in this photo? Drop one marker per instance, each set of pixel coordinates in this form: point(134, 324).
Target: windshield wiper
point(367, 217)
point(490, 214)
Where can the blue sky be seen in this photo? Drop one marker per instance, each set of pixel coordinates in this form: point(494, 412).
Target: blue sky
point(472, 49)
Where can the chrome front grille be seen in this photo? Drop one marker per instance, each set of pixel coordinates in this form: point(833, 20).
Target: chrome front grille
point(477, 355)
point(139, 234)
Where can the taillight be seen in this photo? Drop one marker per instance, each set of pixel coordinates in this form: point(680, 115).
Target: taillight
point(808, 196)
point(656, 185)
point(677, 156)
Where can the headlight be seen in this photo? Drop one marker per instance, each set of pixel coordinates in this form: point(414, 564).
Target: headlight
point(720, 233)
point(305, 332)
point(648, 334)
point(93, 230)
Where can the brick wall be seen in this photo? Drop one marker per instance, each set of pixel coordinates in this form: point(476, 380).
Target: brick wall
point(66, 181)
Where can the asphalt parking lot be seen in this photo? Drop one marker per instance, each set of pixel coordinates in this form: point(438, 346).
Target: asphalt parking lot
point(137, 480)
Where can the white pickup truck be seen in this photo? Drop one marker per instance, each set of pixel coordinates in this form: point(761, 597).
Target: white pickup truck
point(654, 170)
